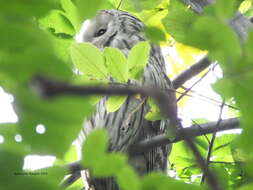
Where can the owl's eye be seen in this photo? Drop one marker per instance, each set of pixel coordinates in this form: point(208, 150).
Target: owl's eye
point(100, 32)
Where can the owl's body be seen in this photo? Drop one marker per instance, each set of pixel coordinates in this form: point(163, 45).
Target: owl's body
point(118, 29)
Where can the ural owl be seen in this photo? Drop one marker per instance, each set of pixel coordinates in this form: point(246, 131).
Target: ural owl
point(127, 125)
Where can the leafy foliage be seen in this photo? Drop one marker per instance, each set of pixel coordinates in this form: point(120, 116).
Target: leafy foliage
point(117, 64)
point(88, 59)
point(37, 38)
point(137, 59)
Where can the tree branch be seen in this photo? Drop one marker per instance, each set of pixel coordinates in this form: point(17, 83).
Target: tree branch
point(192, 131)
point(51, 88)
point(191, 72)
point(75, 168)
point(211, 144)
point(166, 105)
point(160, 140)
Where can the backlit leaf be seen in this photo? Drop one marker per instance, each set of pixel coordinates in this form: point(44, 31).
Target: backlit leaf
point(71, 12)
point(160, 181)
point(56, 20)
point(155, 34)
point(89, 60)
point(117, 64)
point(138, 58)
point(93, 155)
point(127, 179)
point(113, 103)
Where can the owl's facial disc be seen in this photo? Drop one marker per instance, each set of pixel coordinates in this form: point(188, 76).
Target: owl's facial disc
point(98, 30)
point(79, 37)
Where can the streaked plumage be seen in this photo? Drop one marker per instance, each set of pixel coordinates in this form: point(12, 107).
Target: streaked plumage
point(127, 125)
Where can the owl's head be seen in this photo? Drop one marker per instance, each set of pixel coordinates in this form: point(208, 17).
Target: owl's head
point(112, 28)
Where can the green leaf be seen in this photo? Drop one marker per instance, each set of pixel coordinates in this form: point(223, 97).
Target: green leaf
point(53, 174)
point(11, 162)
point(222, 150)
point(25, 35)
point(181, 157)
point(28, 55)
point(55, 115)
point(127, 179)
point(13, 141)
point(246, 187)
point(111, 165)
point(88, 9)
point(155, 34)
point(69, 156)
point(155, 181)
point(153, 115)
point(138, 6)
point(26, 8)
point(224, 87)
point(245, 6)
point(89, 60)
point(113, 103)
point(13, 177)
point(154, 111)
point(249, 47)
point(183, 161)
point(117, 64)
point(20, 75)
point(56, 20)
point(178, 22)
point(146, 4)
point(77, 185)
point(159, 181)
point(61, 48)
point(138, 58)
point(222, 9)
point(221, 175)
point(71, 12)
point(202, 143)
point(249, 10)
point(102, 164)
point(222, 47)
point(93, 156)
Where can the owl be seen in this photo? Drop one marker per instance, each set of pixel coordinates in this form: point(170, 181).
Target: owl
point(127, 125)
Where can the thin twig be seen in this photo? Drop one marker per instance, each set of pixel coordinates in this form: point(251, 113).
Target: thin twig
point(210, 176)
point(71, 179)
point(212, 142)
point(118, 7)
point(200, 128)
point(207, 99)
point(194, 84)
